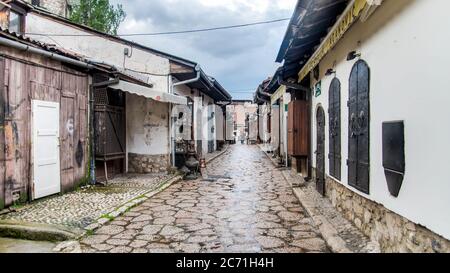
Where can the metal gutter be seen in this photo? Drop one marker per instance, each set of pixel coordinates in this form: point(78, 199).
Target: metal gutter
point(197, 77)
point(53, 56)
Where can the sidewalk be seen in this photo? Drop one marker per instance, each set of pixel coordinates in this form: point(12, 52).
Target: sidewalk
point(87, 208)
point(341, 235)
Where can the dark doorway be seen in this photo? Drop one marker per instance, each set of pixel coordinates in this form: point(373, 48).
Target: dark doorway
point(320, 152)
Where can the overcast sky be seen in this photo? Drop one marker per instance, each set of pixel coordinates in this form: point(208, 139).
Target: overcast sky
point(240, 59)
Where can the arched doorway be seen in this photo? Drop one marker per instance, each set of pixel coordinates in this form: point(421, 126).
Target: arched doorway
point(320, 152)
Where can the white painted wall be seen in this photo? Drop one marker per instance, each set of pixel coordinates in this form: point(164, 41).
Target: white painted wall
point(285, 100)
point(201, 127)
point(406, 45)
point(275, 127)
point(147, 126)
point(100, 48)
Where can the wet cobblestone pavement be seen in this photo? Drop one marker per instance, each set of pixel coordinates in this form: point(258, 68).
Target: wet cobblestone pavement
point(247, 206)
point(81, 208)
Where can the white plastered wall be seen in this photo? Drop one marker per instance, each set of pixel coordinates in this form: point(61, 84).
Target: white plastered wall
point(405, 43)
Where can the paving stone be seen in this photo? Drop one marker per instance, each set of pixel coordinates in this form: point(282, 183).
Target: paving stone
point(269, 242)
point(164, 220)
point(118, 242)
point(121, 249)
point(253, 211)
point(102, 247)
point(151, 229)
point(312, 244)
point(141, 218)
point(170, 230)
point(95, 239)
point(110, 230)
point(91, 203)
point(138, 243)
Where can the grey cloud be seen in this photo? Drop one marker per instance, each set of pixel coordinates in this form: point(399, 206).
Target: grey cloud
point(238, 58)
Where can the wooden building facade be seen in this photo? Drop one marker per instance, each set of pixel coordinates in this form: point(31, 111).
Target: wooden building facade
point(44, 125)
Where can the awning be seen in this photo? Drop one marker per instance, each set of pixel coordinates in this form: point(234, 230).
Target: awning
point(148, 92)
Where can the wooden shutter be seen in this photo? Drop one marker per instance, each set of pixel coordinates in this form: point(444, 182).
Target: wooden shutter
point(359, 127)
point(298, 128)
point(335, 128)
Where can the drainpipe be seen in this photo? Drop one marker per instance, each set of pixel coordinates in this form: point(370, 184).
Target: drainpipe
point(92, 130)
point(172, 137)
point(197, 77)
point(50, 55)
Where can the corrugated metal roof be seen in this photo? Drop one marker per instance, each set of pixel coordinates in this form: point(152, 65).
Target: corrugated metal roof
point(309, 24)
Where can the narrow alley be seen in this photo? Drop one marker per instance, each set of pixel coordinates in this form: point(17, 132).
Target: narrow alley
point(245, 205)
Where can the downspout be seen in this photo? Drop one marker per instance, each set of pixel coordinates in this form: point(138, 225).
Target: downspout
point(50, 55)
point(92, 130)
point(197, 77)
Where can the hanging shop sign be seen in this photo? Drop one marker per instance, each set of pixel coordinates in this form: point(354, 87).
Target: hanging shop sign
point(318, 89)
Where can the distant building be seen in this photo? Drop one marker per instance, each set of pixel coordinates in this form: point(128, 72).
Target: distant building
point(58, 7)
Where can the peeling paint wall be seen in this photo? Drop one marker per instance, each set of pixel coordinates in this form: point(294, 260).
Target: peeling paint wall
point(147, 126)
point(408, 82)
point(101, 49)
point(20, 83)
point(202, 129)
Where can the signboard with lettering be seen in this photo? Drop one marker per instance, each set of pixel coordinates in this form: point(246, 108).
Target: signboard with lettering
point(318, 89)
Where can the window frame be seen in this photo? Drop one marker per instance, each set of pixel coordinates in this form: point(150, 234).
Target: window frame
point(22, 13)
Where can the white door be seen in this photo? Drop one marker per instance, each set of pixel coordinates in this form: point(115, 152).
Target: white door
point(47, 178)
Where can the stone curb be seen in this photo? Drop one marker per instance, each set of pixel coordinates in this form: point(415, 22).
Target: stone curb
point(74, 245)
point(329, 233)
point(129, 205)
point(218, 155)
point(37, 231)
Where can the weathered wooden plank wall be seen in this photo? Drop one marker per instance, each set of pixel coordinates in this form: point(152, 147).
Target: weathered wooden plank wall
point(26, 82)
point(2, 133)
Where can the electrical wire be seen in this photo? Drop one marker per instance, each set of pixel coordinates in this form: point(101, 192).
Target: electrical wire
point(169, 32)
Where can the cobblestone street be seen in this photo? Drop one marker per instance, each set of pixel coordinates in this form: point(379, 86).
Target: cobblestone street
point(245, 205)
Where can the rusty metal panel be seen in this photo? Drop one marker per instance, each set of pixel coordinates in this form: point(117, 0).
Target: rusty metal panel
point(359, 127)
point(334, 110)
point(320, 152)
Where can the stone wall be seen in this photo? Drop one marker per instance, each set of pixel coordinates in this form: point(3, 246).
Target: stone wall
point(148, 163)
point(393, 232)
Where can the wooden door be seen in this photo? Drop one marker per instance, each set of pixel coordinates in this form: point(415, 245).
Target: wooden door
point(46, 152)
point(320, 152)
point(359, 127)
point(298, 128)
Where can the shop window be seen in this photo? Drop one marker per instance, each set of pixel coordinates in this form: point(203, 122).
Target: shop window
point(16, 19)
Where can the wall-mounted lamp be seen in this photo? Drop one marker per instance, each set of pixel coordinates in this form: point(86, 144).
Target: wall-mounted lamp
point(353, 55)
point(330, 72)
